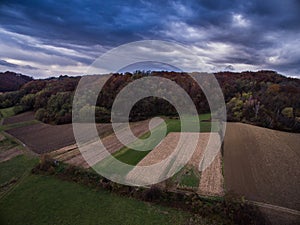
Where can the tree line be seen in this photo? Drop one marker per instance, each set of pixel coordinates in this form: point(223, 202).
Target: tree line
point(263, 98)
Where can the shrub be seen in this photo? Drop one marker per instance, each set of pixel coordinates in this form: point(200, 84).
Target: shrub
point(288, 112)
point(46, 164)
point(27, 101)
point(41, 114)
point(19, 109)
point(152, 194)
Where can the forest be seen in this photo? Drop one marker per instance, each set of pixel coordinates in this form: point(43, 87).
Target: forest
point(263, 98)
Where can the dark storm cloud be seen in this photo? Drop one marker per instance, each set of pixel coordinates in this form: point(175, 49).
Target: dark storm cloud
point(255, 34)
point(88, 22)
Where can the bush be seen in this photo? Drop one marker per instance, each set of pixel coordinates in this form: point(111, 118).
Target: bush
point(41, 115)
point(240, 212)
point(288, 112)
point(46, 164)
point(152, 194)
point(27, 101)
point(19, 109)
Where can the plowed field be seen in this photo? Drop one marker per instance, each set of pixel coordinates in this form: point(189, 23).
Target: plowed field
point(263, 164)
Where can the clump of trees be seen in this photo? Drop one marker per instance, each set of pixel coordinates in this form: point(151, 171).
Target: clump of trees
point(269, 100)
point(51, 99)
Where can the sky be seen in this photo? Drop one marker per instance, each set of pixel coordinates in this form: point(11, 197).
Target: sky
point(51, 38)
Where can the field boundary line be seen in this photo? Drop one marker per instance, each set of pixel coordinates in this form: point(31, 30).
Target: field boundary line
point(27, 151)
point(275, 207)
point(25, 147)
point(26, 174)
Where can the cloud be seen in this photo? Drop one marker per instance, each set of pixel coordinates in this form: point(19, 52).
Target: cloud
point(56, 37)
point(4, 63)
point(229, 67)
point(240, 21)
point(42, 58)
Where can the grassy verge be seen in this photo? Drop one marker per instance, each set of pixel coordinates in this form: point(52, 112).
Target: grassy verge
point(16, 125)
point(7, 112)
point(46, 200)
point(6, 143)
point(13, 170)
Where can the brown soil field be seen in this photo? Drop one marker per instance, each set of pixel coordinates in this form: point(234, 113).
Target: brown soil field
point(263, 164)
point(43, 138)
point(211, 181)
point(167, 146)
point(27, 116)
point(72, 155)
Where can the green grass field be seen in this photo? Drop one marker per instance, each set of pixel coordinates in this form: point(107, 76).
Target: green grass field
point(36, 199)
point(47, 200)
point(16, 167)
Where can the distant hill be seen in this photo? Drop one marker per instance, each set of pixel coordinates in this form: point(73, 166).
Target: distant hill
point(10, 81)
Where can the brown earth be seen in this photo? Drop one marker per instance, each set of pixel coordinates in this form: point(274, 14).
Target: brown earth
point(211, 181)
point(27, 116)
point(263, 164)
point(42, 138)
point(168, 145)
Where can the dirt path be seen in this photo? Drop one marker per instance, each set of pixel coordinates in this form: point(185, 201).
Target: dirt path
point(263, 165)
point(9, 154)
